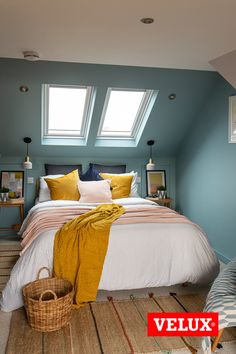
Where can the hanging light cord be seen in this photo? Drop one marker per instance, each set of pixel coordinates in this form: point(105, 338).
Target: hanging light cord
point(150, 151)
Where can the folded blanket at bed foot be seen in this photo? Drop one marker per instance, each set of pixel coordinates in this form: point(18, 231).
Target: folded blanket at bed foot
point(80, 248)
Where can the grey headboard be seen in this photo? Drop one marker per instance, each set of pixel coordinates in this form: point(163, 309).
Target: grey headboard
point(109, 168)
point(61, 169)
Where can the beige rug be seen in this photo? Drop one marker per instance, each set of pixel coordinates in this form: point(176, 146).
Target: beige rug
point(110, 327)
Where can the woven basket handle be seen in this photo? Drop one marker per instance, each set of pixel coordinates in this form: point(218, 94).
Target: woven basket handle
point(45, 292)
point(38, 275)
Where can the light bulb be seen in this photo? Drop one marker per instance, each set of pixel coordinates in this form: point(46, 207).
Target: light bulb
point(150, 165)
point(27, 163)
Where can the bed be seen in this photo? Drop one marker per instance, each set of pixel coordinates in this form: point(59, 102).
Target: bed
point(149, 246)
point(139, 255)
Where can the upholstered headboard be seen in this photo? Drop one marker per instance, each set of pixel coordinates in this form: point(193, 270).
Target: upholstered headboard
point(109, 168)
point(61, 169)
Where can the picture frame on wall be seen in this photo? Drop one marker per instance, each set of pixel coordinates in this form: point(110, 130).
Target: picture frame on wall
point(232, 119)
point(14, 181)
point(155, 179)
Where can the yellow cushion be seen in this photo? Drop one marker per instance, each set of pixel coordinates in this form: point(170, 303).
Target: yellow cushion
point(120, 185)
point(64, 188)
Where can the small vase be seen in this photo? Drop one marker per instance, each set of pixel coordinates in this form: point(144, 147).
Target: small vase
point(164, 194)
point(3, 197)
point(161, 194)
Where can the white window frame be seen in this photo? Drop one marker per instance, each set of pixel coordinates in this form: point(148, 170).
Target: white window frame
point(232, 119)
point(86, 119)
point(138, 121)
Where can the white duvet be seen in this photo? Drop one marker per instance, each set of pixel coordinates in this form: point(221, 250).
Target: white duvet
point(138, 256)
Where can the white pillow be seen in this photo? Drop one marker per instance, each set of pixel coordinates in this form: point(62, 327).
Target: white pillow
point(134, 184)
point(95, 191)
point(44, 192)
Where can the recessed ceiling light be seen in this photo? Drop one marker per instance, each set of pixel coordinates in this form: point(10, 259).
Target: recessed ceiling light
point(30, 55)
point(147, 20)
point(172, 96)
point(24, 88)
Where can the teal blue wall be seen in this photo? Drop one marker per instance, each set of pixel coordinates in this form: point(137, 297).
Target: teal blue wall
point(10, 216)
point(20, 116)
point(206, 173)
point(20, 113)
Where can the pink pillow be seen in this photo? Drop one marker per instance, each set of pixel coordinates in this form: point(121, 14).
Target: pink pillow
point(95, 191)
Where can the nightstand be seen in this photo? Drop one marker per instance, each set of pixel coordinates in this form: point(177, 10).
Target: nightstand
point(9, 253)
point(165, 202)
point(16, 204)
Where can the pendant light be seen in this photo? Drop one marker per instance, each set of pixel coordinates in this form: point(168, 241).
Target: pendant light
point(27, 163)
point(150, 165)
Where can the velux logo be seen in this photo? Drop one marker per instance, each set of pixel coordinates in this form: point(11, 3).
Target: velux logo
point(183, 324)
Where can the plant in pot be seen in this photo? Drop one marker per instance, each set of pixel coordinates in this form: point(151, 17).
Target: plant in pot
point(4, 194)
point(161, 192)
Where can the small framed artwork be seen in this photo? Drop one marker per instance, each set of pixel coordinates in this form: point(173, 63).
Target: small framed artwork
point(232, 119)
point(14, 181)
point(155, 179)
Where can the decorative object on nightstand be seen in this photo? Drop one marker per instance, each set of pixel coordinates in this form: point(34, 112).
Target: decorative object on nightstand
point(150, 166)
point(4, 194)
point(9, 253)
point(14, 182)
point(161, 192)
point(27, 163)
point(155, 179)
point(165, 202)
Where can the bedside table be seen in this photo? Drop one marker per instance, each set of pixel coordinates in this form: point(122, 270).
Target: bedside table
point(16, 204)
point(165, 202)
point(9, 253)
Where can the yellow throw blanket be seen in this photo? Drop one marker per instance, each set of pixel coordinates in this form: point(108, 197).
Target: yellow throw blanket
point(80, 248)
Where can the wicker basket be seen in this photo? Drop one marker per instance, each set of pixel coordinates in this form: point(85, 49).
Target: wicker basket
point(48, 303)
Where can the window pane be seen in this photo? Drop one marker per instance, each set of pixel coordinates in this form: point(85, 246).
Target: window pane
point(66, 107)
point(121, 112)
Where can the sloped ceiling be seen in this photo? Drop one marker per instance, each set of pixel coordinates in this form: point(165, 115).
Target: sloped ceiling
point(226, 66)
point(20, 113)
point(185, 34)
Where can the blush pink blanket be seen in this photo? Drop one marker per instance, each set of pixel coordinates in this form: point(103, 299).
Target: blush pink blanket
point(42, 220)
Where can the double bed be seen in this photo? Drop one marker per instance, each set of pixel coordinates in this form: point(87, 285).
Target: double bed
point(141, 253)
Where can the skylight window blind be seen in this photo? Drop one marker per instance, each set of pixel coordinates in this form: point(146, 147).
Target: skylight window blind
point(123, 112)
point(66, 111)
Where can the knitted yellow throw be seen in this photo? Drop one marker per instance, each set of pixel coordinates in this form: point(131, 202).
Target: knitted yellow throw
point(80, 248)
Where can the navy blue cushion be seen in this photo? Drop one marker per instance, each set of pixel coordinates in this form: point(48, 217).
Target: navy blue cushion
point(90, 175)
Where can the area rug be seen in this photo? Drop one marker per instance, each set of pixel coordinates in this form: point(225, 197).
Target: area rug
point(110, 327)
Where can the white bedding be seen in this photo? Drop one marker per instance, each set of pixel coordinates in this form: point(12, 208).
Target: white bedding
point(138, 256)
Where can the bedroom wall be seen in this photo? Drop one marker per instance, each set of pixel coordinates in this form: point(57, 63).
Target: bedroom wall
point(20, 116)
point(20, 113)
point(11, 216)
point(206, 173)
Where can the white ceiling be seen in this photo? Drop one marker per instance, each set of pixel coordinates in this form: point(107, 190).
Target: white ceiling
point(186, 34)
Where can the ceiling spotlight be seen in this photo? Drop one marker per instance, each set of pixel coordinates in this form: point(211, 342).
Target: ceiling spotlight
point(172, 96)
point(23, 88)
point(147, 20)
point(30, 55)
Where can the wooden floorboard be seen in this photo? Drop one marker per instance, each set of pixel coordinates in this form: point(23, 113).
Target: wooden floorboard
point(145, 306)
point(136, 328)
point(22, 339)
point(108, 324)
point(84, 341)
point(58, 342)
point(169, 304)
